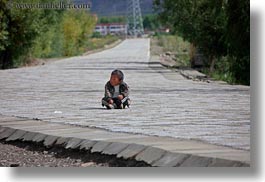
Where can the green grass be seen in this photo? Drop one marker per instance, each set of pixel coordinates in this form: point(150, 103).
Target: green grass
point(93, 43)
point(173, 43)
point(177, 46)
point(217, 75)
point(100, 42)
point(227, 77)
point(222, 71)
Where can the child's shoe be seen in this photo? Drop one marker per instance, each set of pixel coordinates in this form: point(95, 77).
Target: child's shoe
point(108, 106)
point(127, 103)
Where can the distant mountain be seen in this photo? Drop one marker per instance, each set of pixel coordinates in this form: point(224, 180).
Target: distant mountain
point(116, 7)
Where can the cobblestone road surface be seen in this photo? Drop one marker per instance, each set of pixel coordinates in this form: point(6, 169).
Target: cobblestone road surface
point(163, 102)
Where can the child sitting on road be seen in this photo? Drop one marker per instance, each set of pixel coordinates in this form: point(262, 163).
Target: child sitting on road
point(116, 92)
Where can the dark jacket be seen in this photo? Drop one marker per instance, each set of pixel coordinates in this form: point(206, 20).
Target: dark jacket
point(109, 90)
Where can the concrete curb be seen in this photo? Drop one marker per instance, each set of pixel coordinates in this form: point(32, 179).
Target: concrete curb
point(151, 155)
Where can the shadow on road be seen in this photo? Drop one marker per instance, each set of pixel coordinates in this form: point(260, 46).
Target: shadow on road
point(93, 108)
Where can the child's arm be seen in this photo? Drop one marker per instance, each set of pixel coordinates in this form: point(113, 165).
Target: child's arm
point(107, 92)
point(125, 91)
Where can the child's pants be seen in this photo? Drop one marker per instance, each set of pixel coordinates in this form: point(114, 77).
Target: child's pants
point(120, 104)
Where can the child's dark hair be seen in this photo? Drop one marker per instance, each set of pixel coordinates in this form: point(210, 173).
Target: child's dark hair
point(119, 73)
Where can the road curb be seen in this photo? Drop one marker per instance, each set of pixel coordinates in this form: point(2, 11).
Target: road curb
point(151, 155)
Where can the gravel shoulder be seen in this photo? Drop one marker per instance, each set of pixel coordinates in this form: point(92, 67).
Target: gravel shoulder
point(26, 154)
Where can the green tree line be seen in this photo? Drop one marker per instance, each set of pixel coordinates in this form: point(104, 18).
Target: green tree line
point(150, 22)
point(41, 33)
point(219, 29)
point(112, 19)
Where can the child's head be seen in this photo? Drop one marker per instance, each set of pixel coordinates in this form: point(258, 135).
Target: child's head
point(116, 77)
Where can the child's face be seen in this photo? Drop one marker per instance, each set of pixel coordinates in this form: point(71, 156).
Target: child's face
point(114, 80)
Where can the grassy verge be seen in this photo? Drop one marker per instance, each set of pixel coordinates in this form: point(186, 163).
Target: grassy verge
point(222, 71)
point(100, 42)
point(176, 46)
point(91, 45)
point(180, 49)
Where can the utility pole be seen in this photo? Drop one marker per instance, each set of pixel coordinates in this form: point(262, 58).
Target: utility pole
point(134, 19)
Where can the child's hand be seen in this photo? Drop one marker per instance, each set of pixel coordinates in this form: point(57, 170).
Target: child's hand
point(120, 97)
point(110, 101)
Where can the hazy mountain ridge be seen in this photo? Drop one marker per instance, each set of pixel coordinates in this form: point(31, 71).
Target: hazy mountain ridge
point(116, 7)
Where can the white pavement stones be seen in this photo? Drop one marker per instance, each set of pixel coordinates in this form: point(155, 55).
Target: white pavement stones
point(62, 141)
point(131, 151)
point(6, 133)
point(150, 155)
point(171, 160)
point(16, 135)
point(115, 148)
point(87, 144)
point(39, 138)
point(73, 143)
point(50, 140)
point(100, 146)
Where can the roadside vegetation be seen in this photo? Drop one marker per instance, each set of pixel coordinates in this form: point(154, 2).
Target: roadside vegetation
point(217, 29)
point(112, 19)
point(97, 41)
point(30, 34)
point(175, 45)
point(181, 50)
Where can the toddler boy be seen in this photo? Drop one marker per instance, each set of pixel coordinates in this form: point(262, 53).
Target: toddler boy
point(116, 92)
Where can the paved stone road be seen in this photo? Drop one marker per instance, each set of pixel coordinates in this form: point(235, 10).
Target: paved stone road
point(163, 102)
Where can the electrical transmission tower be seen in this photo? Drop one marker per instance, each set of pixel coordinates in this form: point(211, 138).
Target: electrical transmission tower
point(134, 18)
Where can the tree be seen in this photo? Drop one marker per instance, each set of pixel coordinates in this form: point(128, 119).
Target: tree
point(200, 22)
point(218, 28)
point(27, 33)
point(150, 22)
point(18, 30)
point(112, 19)
point(238, 39)
point(77, 27)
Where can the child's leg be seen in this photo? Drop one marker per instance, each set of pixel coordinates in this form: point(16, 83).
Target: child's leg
point(105, 102)
point(118, 103)
point(126, 102)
